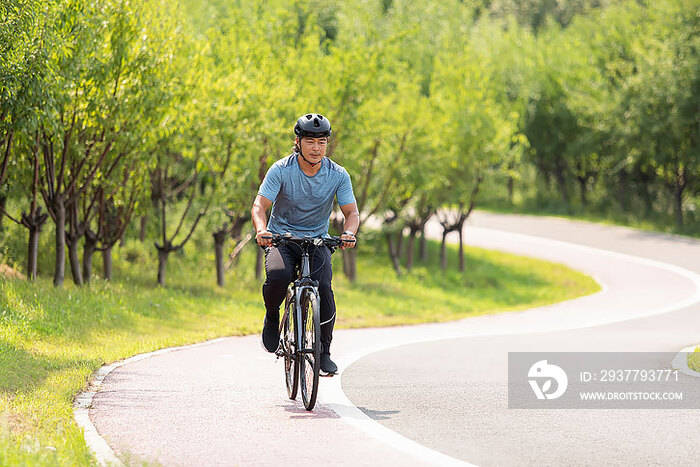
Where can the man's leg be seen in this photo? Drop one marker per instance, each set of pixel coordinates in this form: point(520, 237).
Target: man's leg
point(279, 269)
point(322, 271)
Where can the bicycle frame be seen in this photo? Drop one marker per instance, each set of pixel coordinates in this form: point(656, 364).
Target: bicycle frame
point(296, 289)
point(299, 286)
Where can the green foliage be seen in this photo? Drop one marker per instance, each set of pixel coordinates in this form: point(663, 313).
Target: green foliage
point(578, 106)
point(612, 114)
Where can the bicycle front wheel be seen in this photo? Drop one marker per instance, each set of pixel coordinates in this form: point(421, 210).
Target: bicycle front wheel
point(291, 362)
point(311, 349)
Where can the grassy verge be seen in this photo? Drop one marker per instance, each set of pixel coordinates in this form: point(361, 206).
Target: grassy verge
point(51, 340)
point(694, 360)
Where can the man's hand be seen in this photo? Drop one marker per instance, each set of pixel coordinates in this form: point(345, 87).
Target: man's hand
point(263, 241)
point(350, 244)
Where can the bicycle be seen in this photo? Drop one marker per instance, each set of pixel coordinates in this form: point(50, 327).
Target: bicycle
point(300, 326)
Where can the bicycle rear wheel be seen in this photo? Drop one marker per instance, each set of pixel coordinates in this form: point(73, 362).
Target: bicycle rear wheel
point(311, 356)
point(291, 366)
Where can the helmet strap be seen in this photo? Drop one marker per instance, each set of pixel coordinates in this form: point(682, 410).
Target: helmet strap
point(308, 161)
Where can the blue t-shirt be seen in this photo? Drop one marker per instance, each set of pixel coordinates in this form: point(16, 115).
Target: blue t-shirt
point(302, 205)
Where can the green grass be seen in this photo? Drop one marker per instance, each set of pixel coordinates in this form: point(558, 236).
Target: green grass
point(52, 340)
point(694, 360)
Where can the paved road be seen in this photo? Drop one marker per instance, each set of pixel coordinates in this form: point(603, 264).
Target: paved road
point(416, 395)
point(465, 412)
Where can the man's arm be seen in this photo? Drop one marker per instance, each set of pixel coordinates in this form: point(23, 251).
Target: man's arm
point(259, 216)
point(352, 223)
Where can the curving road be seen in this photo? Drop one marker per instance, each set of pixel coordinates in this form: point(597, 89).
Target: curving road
point(432, 394)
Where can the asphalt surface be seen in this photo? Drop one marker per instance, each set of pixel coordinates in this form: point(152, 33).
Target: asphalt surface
point(457, 402)
point(418, 394)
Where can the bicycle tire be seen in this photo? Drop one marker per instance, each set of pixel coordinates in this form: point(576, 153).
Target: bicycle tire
point(291, 367)
point(311, 358)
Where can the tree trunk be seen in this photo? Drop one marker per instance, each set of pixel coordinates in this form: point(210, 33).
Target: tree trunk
point(678, 203)
point(259, 260)
point(350, 259)
point(409, 249)
point(399, 245)
point(34, 222)
point(346, 265)
point(60, 266)
point(107, 263)
point(33, 252)
point(560, 175)
point(461, 248)
point(647, 198)
point(583, 187)
point(511, 186)
point(393, 254)
point(74, 260)
point(443, 250)
point(349, 256)
point(622, 190)
point(88, 252)
point(423, 246)
point(162, 263)
point(3, 204)
point(219, 239)
point(142, 228)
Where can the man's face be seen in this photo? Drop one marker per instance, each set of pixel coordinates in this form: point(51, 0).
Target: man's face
point(314, 148)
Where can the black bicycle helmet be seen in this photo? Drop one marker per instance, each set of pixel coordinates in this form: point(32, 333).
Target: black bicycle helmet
point(313, 125)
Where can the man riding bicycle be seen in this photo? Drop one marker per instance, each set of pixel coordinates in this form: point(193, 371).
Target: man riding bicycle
point(301, 189)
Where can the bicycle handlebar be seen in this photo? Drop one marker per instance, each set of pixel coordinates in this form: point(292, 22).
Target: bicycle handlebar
point(318, 241)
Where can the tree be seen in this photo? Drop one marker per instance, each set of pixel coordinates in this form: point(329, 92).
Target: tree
point(24, 51)
point(480, 133)
point(664, 101)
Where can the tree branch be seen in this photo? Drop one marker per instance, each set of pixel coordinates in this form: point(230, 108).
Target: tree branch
point(64, 153)
point(162, 201)
point(10, 217)
point(90, 176)
point(3, 170)
point(49, 164)
point(194, 226)
point(236, 251)
point(35, 182)
point(199, 217)
point(189, 205)
point(185, 185)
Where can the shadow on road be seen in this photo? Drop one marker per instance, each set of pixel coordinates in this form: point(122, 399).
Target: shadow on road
point(378, 414)
point(296, 408)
